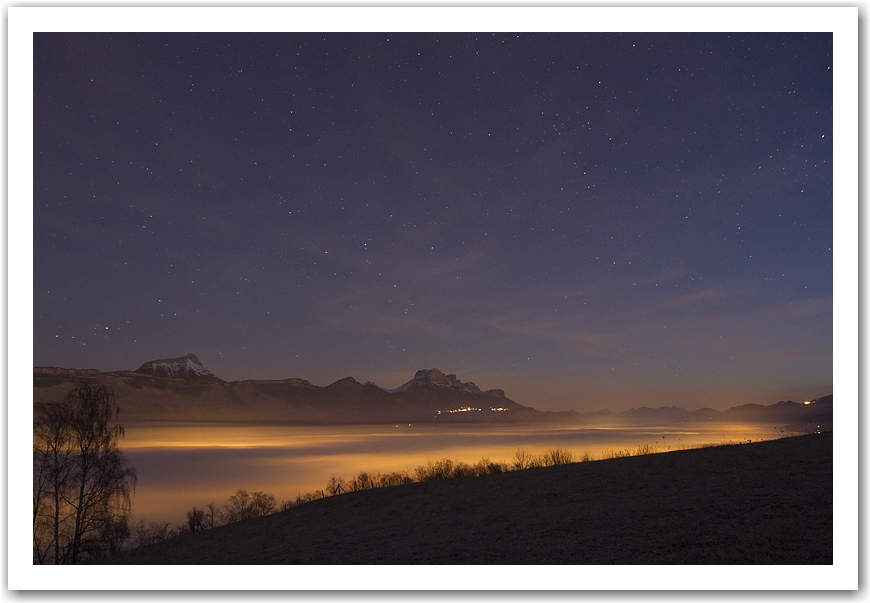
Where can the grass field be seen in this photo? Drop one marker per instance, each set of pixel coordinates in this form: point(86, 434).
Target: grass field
point(762, 503)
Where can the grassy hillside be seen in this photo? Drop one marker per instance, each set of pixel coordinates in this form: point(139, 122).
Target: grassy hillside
point(767, 502)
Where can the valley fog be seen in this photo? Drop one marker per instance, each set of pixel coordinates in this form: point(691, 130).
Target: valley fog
point(186, 464)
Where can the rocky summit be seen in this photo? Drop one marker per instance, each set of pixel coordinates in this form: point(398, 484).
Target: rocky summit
point(185, 366)
point(429, 378)
point(439, 379)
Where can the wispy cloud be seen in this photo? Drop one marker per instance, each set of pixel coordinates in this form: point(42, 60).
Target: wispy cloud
point(564, 331)
point(619, 326)
point(386, 310)
point(379, 323)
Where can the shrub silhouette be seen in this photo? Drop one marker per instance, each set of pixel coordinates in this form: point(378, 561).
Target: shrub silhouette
point(443, 469)
point(154, 532)
point(362, 482)
point(487, 467)
point(523, 460)
point(245, 505)
point(645, 449)
point(461, 469)
point(395, 478)
point(558, 456)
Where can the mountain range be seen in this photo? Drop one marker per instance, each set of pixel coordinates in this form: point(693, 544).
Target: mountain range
point(809, 415)
point(183, 389)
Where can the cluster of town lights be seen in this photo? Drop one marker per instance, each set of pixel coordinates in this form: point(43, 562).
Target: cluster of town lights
point(470, 409)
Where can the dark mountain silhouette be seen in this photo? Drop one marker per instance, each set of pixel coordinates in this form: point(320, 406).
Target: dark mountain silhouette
point(811, 415)
point(706, 414)
point(182, 389)
point(434, 380)
point(821, 409)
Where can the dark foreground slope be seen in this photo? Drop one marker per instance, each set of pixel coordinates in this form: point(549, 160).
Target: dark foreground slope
point(768, 502)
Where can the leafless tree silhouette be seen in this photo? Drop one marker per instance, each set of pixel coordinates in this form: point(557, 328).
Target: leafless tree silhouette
point(245, 505)
point(82, 483)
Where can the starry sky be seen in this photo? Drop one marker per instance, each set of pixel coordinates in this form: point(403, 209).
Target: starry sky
point(586, 221)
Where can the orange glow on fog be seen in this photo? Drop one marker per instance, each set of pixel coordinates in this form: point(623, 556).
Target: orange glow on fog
point(230, 435)
point(191, 464)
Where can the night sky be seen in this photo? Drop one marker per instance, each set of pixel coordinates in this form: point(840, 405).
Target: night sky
point(586, 221)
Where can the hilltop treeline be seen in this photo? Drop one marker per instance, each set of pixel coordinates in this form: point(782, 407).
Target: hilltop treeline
point(247, 505)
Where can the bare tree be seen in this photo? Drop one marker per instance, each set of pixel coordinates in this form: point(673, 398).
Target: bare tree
point(522, 460)
point(558, 456)
point(82, 483)
point(52, 469)
point(196, 520)
point(213, 516)
point(395, 478)
point(486, 467)
point(363, 481)
point(204, 519)
point(262, 504)
point(113, 534)
point(245, 505)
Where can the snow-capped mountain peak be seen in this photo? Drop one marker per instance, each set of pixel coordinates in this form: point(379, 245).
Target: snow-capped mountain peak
point(427, 378)
point(185, 366)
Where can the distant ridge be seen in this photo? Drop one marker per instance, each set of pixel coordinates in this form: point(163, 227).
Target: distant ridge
point(182, 388)
point(813, 415)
